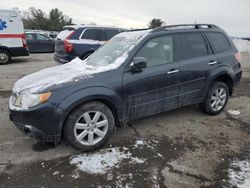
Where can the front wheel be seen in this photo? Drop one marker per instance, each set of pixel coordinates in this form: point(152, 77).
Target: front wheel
point(216, 98)
point(5, 57)
point(89, 126)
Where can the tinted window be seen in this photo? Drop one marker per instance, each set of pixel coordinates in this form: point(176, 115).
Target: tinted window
point(110, 33)
point(93, 34)
point(157, 51)
point(192, 45)
point(218, 41)
point(29, 36)
point(41, 37)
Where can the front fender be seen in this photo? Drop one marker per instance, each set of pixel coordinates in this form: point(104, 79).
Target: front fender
point(92, 93)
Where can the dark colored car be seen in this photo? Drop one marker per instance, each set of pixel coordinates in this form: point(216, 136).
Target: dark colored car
point(81, 41)
point(134, 75)
point(38, 42)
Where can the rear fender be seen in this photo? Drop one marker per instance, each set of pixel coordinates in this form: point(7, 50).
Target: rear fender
point(222, 70)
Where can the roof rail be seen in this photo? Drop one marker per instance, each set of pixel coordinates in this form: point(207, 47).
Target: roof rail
point(185, 26)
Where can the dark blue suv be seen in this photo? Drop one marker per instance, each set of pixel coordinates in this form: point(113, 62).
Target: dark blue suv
point(134, 75)
point(81, 41)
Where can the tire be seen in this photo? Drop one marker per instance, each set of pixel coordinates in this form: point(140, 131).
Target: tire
point(79, 135)
point(215, 103)
point(5, 57)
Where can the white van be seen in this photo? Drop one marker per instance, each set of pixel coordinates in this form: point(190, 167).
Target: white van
point(12, 38)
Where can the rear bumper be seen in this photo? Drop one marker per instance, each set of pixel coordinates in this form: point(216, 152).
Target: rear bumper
point(62, 59)
point(19, 51)
point(237, 77)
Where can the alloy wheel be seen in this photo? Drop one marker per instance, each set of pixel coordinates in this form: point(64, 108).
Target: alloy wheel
point(218, 99)
point(91, 128)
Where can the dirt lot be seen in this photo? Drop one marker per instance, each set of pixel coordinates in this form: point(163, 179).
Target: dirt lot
point(180, 148)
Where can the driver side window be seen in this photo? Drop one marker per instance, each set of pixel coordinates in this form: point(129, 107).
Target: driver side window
point(157, 51)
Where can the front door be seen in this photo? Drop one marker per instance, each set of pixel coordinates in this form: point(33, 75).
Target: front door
point(156, 88)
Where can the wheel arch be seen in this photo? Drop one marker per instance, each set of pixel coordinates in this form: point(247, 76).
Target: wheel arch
point(222, 74)
point(6, 48)
point(114, 102)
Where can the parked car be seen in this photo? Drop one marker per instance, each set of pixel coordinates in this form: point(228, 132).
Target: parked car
point(39, 42)
point(12, 38)
point(134, 75)
point(81, 41)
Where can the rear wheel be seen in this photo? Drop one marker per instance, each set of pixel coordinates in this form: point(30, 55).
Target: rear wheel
point(5, 57)
point(216, 98)
point(89, 126)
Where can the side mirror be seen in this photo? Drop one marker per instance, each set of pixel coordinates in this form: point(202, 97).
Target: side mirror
point(138, 64)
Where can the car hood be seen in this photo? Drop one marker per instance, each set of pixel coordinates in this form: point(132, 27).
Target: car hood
point(54, 77)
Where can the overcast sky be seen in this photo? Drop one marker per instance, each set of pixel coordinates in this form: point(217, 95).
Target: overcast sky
point(232, 15)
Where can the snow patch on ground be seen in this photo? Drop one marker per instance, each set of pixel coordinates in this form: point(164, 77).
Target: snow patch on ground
point(242, 45)
point(239, 173)
point(234, 112)
point(104, 160)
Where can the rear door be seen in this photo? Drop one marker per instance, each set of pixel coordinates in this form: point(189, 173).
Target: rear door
point(45, 44)
point(156, 88)
point(196, 63)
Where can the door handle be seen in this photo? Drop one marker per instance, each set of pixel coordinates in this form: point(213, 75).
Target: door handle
point(173, 71)
point(212, 63)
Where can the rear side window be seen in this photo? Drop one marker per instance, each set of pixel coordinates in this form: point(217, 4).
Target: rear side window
point(93, 34)
point(110, 33)
point(192, 45)
point(29, 36)
point(218, 41)
point(41, 37)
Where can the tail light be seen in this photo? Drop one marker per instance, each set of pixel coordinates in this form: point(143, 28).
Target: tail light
point(68, 47)
point(238, 57)
point(24, 41)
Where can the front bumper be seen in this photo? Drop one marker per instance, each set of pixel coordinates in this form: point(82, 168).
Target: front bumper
point(43, 122)
point(37, 134)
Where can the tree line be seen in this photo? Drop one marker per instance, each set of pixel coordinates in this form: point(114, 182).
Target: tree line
point(37, 19)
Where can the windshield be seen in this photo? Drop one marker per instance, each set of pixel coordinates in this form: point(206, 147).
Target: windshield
point(116, 50)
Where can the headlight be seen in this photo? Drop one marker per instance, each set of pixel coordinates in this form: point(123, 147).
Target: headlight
point(28, 100)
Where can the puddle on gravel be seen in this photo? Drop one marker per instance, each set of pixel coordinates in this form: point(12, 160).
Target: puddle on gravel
point(40, 147)
point(5, 93)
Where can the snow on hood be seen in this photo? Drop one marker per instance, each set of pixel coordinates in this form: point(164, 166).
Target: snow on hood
point(72, 71)
point(242, 45)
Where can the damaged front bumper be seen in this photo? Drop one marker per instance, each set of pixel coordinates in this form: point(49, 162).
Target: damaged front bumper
point(43, 122)
point(37, 134)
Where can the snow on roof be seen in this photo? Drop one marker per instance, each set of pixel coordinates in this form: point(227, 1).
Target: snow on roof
point(242, 45)
point(64, 34)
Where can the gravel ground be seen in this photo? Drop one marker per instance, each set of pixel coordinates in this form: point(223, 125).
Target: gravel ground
point(180, 148)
